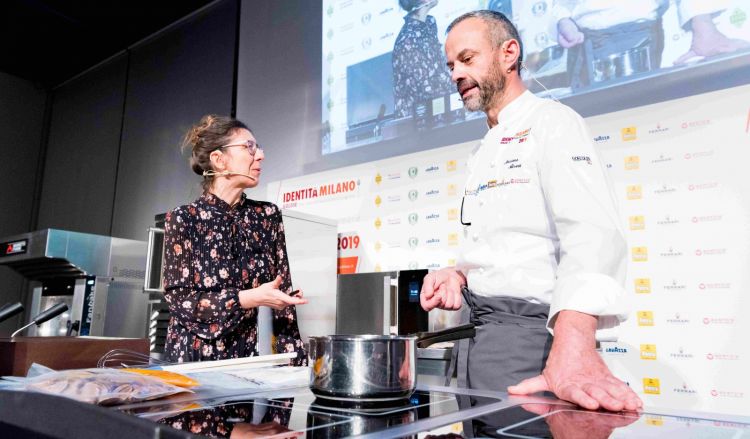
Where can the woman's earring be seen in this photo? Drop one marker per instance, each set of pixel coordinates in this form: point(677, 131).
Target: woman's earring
point(509, 70)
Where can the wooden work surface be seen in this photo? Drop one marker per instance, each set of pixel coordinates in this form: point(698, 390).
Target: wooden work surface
point(18, 353)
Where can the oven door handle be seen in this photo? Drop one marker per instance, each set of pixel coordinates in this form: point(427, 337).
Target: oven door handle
point(152, 231)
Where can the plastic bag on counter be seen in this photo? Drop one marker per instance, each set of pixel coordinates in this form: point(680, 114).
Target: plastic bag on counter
point(174, 378)
point(101, 386)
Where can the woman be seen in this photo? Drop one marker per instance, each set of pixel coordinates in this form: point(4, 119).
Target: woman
point(225, 255)
point(419, 71)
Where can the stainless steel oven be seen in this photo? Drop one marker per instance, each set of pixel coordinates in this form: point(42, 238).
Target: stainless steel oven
point(100, 278)
point(380, 303)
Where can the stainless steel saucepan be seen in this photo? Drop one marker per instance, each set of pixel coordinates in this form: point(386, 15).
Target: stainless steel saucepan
point(371, 367)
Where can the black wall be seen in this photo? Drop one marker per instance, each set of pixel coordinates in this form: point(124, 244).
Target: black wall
point(84, 141)
point(173, 80)
point(113, 156)
point(21, 126)
point(104, 157)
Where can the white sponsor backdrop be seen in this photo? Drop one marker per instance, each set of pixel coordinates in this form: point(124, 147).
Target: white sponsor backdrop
point(679, 170)
point(680, 175)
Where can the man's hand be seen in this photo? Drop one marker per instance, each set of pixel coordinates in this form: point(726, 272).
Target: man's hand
point(442, 289)
point(579, 424)
point(708, 41)
point(568, 34)
point(576, 373)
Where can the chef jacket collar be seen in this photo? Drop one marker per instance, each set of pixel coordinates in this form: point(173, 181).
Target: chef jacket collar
point(514, 108)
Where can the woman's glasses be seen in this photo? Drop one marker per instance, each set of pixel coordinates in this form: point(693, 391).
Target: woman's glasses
point(251, 146)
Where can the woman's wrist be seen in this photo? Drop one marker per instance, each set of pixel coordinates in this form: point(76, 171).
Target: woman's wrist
point(247, 300)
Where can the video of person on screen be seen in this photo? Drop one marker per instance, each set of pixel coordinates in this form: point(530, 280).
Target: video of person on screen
point(385, 75)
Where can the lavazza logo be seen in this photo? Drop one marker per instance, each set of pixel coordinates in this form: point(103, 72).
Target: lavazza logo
point(616, 350)
point(678, 319)
point(675, 286)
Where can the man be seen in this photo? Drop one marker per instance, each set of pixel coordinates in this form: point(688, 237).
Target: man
point(543, 251)
point(596, 29)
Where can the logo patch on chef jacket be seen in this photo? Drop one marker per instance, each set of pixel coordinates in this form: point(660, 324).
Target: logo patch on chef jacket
point(581, 158)
point(495, 183)
point(520, 137)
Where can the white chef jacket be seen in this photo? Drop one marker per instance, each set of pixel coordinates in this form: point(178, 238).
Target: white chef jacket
point(543, 222)
point(601, 14)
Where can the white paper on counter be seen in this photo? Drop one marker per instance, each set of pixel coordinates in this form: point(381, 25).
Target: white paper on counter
point(258, 379)
point(263, 360)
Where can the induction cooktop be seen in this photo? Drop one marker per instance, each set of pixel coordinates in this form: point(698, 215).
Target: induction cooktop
point(431, 412)
point(566, 422)
point(302, 414)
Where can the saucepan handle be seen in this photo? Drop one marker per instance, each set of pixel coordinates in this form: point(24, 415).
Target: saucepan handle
point(425, 339)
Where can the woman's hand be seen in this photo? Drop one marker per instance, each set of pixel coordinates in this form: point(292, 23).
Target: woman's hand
point(268, 294)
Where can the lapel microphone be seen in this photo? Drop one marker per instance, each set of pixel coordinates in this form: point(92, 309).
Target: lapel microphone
point(226, 174)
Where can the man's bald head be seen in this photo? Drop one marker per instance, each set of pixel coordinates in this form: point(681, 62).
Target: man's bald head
point(499, 29)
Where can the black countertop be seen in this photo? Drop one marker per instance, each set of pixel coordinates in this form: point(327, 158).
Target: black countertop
point(295, 412)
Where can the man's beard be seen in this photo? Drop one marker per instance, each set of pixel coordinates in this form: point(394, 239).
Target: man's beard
point(491, 89)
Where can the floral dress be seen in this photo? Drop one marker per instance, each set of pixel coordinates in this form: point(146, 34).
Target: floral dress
point(419, 70)
point(212, 251)
point(221, 421)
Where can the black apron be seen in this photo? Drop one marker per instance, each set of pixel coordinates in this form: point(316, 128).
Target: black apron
point(511, 344)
